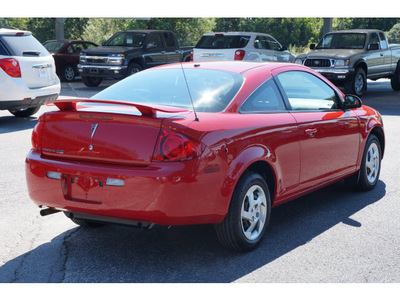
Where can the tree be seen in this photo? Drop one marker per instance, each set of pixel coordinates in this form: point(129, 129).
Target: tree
point(393, 35)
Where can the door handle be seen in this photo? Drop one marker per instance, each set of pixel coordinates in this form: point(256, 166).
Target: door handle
point(311, 131)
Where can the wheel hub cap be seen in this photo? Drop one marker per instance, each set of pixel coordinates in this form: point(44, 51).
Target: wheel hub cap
point(253, 212)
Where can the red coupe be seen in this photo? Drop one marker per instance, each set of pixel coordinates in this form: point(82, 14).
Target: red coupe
point(196, 143)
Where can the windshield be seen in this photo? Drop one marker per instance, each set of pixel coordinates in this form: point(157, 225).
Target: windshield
point(131, 39)
point(211, 90)
point(342, 41)
point(220, 41)
point(53, 46)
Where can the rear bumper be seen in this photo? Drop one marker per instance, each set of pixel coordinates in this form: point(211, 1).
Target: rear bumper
point(116, 72)
point(162, 193)
point(27, 103)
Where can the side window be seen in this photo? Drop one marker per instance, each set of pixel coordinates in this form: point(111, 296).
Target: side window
point(305, 91)
point(154, 41)
point(373, 39)
point(384, 44)
point(169, 40)
point(261, 43)
point(3, 50)
point(78, 47)
point(71, 49)
point(88, 46)
point(265, 99)
point(273, 44)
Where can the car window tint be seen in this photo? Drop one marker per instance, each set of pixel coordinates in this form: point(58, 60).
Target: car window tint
point(265, 99)
point(305, 91)
point(18, 44)
point(273, 44)
point(382, 37)
point(220, 41)
point(3, 50)
point(210, 90)
point(154, 40)
point(373, 38)
point(261, 43)
point(169, 40)
point(88, 45)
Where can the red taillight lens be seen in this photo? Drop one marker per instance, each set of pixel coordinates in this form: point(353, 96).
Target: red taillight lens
point(37, 134)
point(239, 54)
point(172, 146)
point(191, 55)
point(11, 67)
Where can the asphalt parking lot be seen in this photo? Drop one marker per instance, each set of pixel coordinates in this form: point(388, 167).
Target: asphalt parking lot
point(332, 235)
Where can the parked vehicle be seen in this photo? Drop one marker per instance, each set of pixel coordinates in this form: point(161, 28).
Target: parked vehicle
point(128, 52)
point(240, 46)
point(249, 136)
point(27, 73)
point(349, 57)
point(66, 55)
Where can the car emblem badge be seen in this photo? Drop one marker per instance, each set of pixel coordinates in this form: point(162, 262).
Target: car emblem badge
point(317, 62)
point(93, 129)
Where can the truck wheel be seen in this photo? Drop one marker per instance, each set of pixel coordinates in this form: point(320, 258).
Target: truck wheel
point(358, 83)
point(133, 68)
point(25, 112)
point(395, 80)
point(92, 81)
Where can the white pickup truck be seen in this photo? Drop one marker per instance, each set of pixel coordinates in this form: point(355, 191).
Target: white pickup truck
point(240, 46)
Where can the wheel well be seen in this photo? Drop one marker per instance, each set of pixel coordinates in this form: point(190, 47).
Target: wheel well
point(362, 65)
point(265, 170)
point(138, 61)
point(378, 132)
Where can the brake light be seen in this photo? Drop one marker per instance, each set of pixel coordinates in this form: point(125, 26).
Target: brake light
point(172, 146)
point(37, 134)
point(191, 55)
point(11, 67)
point(239, 54)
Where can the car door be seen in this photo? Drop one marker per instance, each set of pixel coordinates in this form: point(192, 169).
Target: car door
point(154, 52)
point(376, 56)
point(329, 136)
point(263, 50)
point(281, 56)
point(172, 53)
point(277, 130)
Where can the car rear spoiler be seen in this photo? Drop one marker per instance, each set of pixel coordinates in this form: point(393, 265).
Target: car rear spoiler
point(147, 110)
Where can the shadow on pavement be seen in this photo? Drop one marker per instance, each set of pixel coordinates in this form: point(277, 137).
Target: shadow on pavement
point(13, 124)
point(188, 253)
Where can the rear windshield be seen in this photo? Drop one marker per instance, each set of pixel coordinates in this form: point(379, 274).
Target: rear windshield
point(53, 46)
point(223, 41)
point(211, 90)
point(343, 41)
point(24, 45)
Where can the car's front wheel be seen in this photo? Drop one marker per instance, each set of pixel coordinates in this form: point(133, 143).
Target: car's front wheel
point(68, 73)
point(395, 80)
point(357, 85)
point(248, 215)
point(25, 112)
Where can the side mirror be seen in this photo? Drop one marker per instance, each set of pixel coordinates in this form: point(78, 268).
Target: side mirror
point(373, 46)
point(351, 101)
point(103, 43)
point(312, 47)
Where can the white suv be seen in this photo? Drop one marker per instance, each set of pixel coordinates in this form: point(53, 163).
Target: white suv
point(27, 73)
point(240, 46)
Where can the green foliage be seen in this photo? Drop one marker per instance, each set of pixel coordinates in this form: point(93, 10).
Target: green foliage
point(393, 35)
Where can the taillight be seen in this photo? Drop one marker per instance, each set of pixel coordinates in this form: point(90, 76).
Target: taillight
point(191, 55)
point(37, 134)
point(239, 54)
point(11, 67)
point(172, 146)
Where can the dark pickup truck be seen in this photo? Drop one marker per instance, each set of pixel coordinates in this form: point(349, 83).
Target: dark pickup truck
point(128, 52)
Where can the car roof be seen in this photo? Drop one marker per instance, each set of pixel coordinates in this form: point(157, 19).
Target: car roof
point(240, 67)
point(6, 31)
point(356, 31)
point(236, 33)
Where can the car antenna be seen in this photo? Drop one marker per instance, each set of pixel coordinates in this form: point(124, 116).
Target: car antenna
point(190, 95)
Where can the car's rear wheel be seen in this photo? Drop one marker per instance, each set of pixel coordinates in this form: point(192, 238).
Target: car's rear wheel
point(248, 215)
point(92, 81)
point(371, 164)
point(68, 73)
point(25, 112)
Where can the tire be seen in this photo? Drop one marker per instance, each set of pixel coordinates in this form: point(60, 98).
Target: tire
point(92, 81)
point(395, 80)
point(370, 165)
point(357, 84)
point(133, 68)
point(25, 112)
point(248, 216)
point(85, 223)
point(68, 73)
